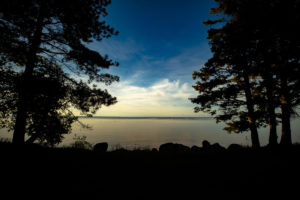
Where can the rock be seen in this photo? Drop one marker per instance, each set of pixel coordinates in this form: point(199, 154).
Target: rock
point(171, 147)
point(101, 147)
point(205, 144)
point(235, 147)
point(217, 147)
point(214, 148)
point(196, 149)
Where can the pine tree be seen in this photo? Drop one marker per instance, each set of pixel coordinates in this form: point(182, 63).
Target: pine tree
point(225, 87)
point(261, 49)
point(36, 33)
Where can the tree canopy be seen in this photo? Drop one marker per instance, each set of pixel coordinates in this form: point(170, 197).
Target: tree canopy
point(254, 66)
point(48, 68)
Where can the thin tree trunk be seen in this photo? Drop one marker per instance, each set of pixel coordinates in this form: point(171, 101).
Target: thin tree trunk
point(271, 111)
point(24, 90)
point(286, 138)
point(251, 115)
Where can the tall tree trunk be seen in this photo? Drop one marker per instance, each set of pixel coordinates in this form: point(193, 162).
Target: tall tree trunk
point(19, 129)
point(251, 115)
point(286, 138)
point(271, 111)
point(24, 90)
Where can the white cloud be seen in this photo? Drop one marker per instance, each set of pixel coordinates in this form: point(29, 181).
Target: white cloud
point(163, 98)
point(158, 86)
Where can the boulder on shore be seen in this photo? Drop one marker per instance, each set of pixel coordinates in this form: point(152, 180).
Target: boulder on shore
point(196, 149)
point(235, 147)
point(101, 147)
point(171, 147)
point(205, 144)
point(217, 147)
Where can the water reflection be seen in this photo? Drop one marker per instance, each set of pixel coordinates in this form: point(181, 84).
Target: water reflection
point(151, 133)
point(131, 133)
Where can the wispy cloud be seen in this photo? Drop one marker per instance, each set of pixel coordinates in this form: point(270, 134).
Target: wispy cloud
point(118, 50)
point(152, 85)
point(182, 65)
point(163, 98)
point(135, 58)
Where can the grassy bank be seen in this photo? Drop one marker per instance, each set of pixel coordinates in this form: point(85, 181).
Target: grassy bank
point(146, 174)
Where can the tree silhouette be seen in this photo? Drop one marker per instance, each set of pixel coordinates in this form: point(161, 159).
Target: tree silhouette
point(43, 49)
point(274, 29)
point(225, 86)
point(255, 52)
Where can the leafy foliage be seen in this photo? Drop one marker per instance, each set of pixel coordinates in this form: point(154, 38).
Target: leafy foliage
point(254, 65)
point(44, 60)
point(81, 143)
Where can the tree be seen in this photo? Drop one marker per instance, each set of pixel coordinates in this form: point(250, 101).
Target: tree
point(43, 45)
point(287, 58)
point(259, 49)
point(49, 115)
point(274, 28)
point(225, 86)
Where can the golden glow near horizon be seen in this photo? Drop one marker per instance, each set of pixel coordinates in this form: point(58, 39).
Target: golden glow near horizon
point(163, 98)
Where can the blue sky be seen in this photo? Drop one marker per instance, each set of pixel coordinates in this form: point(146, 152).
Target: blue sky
point(161, 43)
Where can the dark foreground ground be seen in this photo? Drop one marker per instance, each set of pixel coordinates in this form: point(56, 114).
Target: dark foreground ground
point(36, 172)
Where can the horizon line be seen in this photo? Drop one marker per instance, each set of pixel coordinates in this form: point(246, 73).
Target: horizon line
point(145, 117)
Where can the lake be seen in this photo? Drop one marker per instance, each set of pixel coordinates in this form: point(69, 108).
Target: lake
point(152, 132)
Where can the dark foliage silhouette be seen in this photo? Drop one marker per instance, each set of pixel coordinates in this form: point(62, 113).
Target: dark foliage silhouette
point(254, 67)
point(44, 64)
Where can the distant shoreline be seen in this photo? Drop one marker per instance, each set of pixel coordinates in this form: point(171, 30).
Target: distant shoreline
point(172, 118)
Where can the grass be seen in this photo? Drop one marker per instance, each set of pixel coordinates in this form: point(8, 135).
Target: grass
point(5, 140)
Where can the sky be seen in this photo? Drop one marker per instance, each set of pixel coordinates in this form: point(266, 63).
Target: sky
point(160, 44)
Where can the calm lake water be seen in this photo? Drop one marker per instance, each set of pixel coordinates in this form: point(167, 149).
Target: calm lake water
point(152, 132)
